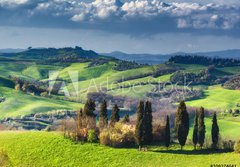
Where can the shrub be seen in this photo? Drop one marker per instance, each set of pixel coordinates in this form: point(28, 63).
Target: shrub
point(104, 138)
point(118, 136)
point(228, 145)
point(92, 136)
point(237, 147)
point(117, 140)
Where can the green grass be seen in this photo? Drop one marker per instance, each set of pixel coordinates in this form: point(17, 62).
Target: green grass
point(18, 103)
point(229, 128)
point(45, 149)
point(103, 77)
point(231, 70)
point(32, 71)
point(138, 92)
point(218, 98)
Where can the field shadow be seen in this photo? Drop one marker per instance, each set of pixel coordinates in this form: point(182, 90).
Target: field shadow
point(192, 152)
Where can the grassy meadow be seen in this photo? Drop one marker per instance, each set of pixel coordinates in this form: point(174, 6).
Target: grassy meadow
point(47, 149)
point(18, 103)
point(217, 98)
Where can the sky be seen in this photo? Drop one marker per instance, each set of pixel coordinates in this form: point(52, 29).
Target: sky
point(132, 26)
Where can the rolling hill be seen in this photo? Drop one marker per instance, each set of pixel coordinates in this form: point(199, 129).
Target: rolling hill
point(116, 79)
point(161, 58)
point(25, 74)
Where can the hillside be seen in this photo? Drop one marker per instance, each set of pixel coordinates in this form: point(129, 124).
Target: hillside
point(120, 82)
point(51, 149)
point(28, 103)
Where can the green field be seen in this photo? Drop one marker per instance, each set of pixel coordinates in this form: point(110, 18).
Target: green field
point(18, 103)
point(217, 98)
point(45, 149)
point(98, 78)
point(229, 128)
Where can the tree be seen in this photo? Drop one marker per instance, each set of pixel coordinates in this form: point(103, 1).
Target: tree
point(201, 127)
point(80, 119)
point(89, 108)
point(80, 122)
point(182, 123)
point(167, 133)
point(103, 115)
point(126, 118)
point(148, 122)
point(195, 130)
point(139, 133)
point(114, 115)
point(88, 114)
point(215, 131)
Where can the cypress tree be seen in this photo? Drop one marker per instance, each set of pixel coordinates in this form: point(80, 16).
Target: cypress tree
point(215, 131)
point(201, 127)
point(139, 133)
point(103, 115)
point(182, 124)
point(148, 123)
point(89, 108)
point(114, 115)
point(167, 133)
point(195, 131)
point(88, 114)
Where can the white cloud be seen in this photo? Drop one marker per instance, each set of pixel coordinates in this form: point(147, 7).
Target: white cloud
point(182, 23)
point(42, 6)
point(78, 17)
point(182, 14)
point(12, 3)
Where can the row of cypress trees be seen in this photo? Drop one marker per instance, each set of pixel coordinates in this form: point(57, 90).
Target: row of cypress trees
point(143, 131)
point(199, 128)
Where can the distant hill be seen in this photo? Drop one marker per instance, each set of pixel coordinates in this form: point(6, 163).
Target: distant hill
point(234, 53)
point(160, 58)
point(51, 55)
point(139, 58)
point(11, 50)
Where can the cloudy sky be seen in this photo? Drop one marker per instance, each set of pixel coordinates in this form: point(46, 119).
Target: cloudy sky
point(133, 26)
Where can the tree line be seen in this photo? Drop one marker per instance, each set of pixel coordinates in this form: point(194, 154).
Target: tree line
point(143, 134)
point(207, 61)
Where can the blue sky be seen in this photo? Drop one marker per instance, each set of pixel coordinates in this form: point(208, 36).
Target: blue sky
point(133, 26)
